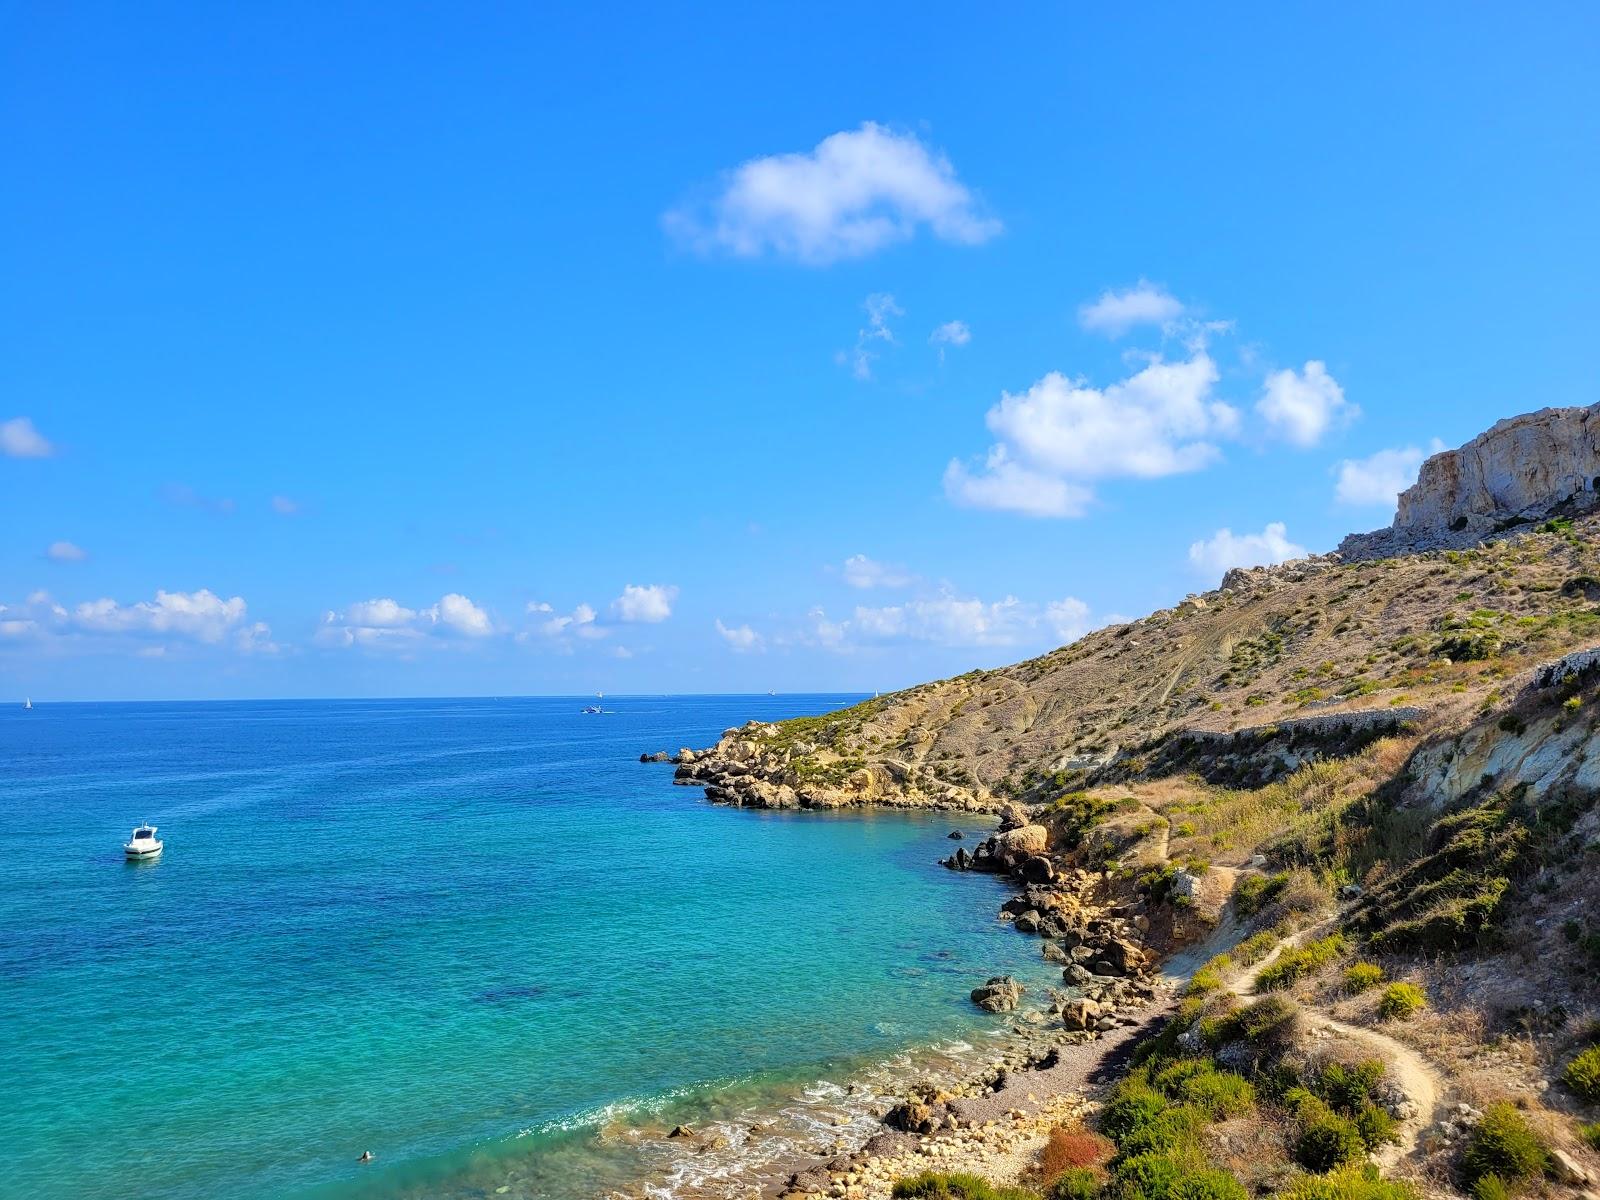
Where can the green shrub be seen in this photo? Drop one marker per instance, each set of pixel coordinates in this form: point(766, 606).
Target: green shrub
point(1204, 981)
point(1348, 1088)
point(1375, 1126)
point(1219, 1094)
point(1146, 1177)
point(1296, 962)
point(1255, 947)
point(1255, 891)
point(1207, 1185)
point(1503, 1145)
point(930, 1185)
point(1401, 1001)
point(1591, 1135)
point(1491, 1187)
point(1361, 976)
point(1328, 1141)
point(1583, 1075)
point(1133, 1107)
point(1076, 1183)
point(1171, 1129)
point(1356, 1182)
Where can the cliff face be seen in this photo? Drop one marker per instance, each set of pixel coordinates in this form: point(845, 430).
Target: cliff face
point(1523, 465)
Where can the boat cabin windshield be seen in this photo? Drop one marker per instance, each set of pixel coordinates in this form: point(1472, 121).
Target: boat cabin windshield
point(144, 831)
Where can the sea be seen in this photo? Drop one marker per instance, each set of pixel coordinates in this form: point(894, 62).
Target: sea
point(477, 938)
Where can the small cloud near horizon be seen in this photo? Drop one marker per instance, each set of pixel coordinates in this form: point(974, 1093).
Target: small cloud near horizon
point(20, 439)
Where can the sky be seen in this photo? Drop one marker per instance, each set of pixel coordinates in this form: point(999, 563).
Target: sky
point(400, 350)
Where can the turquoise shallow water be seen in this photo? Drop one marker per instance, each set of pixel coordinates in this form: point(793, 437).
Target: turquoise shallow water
point(475, 936)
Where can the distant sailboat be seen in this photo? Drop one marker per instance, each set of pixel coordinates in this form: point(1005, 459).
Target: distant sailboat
point(27, 704)
point(594, 709)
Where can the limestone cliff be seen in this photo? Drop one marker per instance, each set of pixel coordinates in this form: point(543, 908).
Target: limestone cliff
point(1520, 470)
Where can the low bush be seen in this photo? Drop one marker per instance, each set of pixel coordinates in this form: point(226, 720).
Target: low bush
point(1207, 1185)
point(1490, 1187)
point(1254, 892)
point(1070, 1147)
point(1583, 1075)
point(1504, 1146)
point(1590, 1135)
point(1401, 1001)
point(1326, 1139)
point(1356, 1182)
point(1075, 1183)
point(1362, 976)
point(1146, 1177)
point(1255, 947)
point(930, 1185)
point(1297, 962)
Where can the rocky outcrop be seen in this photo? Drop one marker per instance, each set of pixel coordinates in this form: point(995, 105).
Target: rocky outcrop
point(1518, 471)
point(757, 765)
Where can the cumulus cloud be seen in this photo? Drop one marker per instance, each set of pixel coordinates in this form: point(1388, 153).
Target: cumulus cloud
point(1302, 406)
point(741, 638)
point(645, 603)
point(66, 552)
point(197, 617)
point(1010, 487)
point(859, 571)
point(385, 623)
point(952, 620)
point(1226, 549)
point(580, 622)
point(19, 439)
point(1115, 313)
point(284, 506)
point(1378, 479)
point(951, 333)
point(856, 192)
point(1061, 433)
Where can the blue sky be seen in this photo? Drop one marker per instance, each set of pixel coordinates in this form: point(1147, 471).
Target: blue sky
point(401, 350)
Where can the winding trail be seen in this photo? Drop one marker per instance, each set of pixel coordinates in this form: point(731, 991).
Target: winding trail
point(1417, 1077)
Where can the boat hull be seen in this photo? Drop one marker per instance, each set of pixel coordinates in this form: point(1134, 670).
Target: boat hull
point(136, 855)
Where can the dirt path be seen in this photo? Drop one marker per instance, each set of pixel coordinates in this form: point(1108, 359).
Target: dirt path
point(1415, 1075)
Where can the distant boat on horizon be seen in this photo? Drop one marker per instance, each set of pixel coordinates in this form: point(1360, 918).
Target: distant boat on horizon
point(27, 704)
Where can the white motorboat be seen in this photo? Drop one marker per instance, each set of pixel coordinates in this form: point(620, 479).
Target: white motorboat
point(143, 844)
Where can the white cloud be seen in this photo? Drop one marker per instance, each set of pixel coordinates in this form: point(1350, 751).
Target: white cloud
point(454, 611)
point(953, 621)
point(387, 624)
point(200, 617)
point(741, 638)
point(184, 496)
point(19, 439)
point(380, 614)
point(1226, 549)
point(880, 307)
point(66, 552)
point(1061, 433)
point(855, 193)
point(1302, 406)
point(859, 571)
point(1010, 487)
point(1068, 618)
point(284, 506)
point(951, 333)
point(1379, 478)
point(1114, 313)
point(646, 603)
point(203, 616)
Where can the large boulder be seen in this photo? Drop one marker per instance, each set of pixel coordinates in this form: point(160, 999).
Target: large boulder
point(1001, 994)
point(1080, 1014)
point(1012, 816)
point(1038, 869)
point(1122, 954)
point(1028, 922)
point(1026, 840)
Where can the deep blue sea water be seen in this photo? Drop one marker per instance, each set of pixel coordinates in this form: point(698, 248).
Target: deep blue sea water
point(477, 937)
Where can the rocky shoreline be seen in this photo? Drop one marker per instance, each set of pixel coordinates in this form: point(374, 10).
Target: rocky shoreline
point(1064, 1042)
